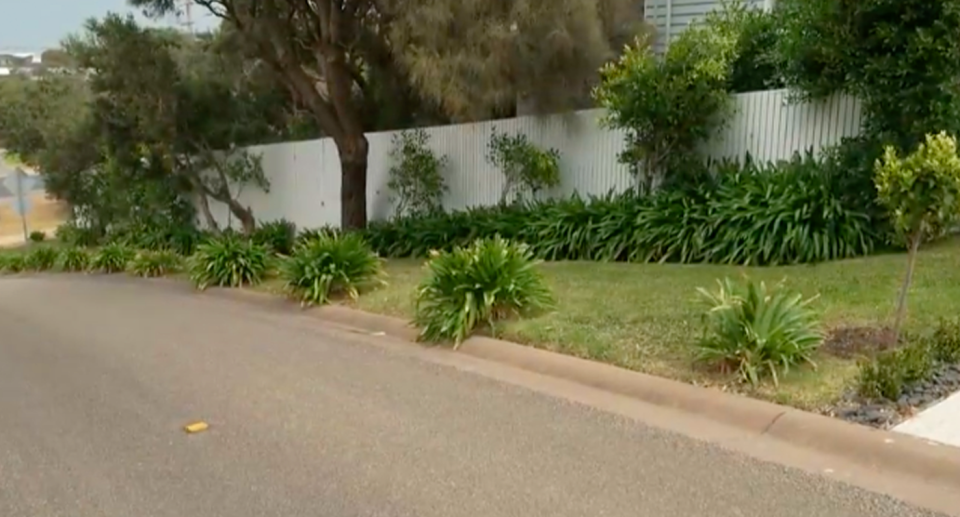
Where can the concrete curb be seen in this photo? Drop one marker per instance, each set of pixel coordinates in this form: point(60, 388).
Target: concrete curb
point(866, 446)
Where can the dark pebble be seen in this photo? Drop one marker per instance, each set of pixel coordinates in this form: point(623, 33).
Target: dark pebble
point(942, 384)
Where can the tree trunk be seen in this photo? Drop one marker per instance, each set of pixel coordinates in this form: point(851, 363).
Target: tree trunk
point(208, 218)
point(244, 215)
point(353, 150)
point(908, 279)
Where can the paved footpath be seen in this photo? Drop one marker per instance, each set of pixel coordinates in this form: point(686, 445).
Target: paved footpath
point(97, 377)
point(940, 422)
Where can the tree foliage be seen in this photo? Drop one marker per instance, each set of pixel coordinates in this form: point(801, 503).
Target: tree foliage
point(922, 193)
point(343, 59)
point(669, 105)
point(901, 58)
point(155, 119)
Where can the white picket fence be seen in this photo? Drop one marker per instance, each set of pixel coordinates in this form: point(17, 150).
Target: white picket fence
point(305, 176)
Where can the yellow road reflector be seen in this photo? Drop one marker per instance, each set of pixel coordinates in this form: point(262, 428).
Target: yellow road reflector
point(196, 427)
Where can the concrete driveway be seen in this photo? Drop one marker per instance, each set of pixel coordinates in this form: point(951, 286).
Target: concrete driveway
point(98, 376)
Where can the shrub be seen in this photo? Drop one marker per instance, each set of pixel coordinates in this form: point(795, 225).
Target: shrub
point(526, 168)
point(490, 280)
point(330, 265)
point(11, 262)
point(901, 58)
point(416, 175)
point(71, 234)
point(922, 193)
point(756, 331)
point(150, 263)
point(945, 342)
point(309, 234)
point(180, 239)
point(756, 65)
point(111, 258)
point(417, 236)
point(37, 236)
point(795, 211)
point(784, 213)
point(887, 375)
point(183, 240)
point(278, 236)
point(40, 258)
point(73, 259)
point(229, 261)
point(668, 105)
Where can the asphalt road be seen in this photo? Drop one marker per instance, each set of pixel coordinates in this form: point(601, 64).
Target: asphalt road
point(98, 377)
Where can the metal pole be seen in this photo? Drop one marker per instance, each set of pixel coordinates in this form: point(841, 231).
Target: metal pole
point(21, 205)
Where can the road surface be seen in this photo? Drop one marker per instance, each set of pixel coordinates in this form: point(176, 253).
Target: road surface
point(98, 376)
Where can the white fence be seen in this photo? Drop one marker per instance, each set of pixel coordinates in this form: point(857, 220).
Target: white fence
point(305, 176)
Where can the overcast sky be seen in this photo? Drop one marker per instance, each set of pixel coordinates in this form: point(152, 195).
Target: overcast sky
point(33, 25)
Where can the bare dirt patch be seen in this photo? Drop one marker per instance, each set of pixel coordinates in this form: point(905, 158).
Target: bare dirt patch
point(853, 342)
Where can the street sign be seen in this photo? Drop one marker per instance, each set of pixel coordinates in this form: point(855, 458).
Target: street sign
point(20, 184)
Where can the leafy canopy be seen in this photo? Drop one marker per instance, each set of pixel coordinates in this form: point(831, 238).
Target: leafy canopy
point(669, 105)
point(921, 190)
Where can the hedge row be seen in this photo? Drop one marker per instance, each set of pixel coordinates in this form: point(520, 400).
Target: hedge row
point(796, 212)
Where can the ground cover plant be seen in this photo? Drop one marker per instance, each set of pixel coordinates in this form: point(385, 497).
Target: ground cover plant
point(797, 211)
point(479, 285)
point(40, 258)
point(73, 259)
point(326, 265)
point(229, 261)
point(111, 258)
point(11, 262)
point(148, 263)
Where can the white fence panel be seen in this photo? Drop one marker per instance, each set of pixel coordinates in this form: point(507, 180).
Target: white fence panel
point(305, 176)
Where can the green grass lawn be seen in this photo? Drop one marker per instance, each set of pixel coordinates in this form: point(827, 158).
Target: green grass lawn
point(646, 317)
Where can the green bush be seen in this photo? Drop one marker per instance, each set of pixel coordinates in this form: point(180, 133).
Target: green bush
point(785, 213)
point(668, 104)
point(490, 280)
point(149, 263)
point(11, 262)
point(41, 258)
point(796, 211)
point(330, 265)
point(757, 331)
point(111, 258)
point(182, 240)
point(888, 374)
point(71, 234)
point(755, 67)
point(416, 174)
point(37, 236)
point(229, 261)
point(73, 259)
point(278, 236)
point(945, 342)
point(527, 170)
point(309, 234)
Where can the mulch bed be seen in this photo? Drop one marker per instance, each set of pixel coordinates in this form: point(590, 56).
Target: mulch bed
point(854, 342)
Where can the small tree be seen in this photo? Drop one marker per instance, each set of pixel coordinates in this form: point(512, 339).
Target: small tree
point(922, 193)
point(669, 105)
point(526, 168)
point(416, 176)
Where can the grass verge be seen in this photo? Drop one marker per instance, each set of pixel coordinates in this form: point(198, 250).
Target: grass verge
point(646, 317)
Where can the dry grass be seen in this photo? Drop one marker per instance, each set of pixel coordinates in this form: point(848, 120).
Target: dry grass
point(646, 317)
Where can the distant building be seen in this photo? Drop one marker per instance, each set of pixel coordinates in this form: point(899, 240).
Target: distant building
point(26, 63)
